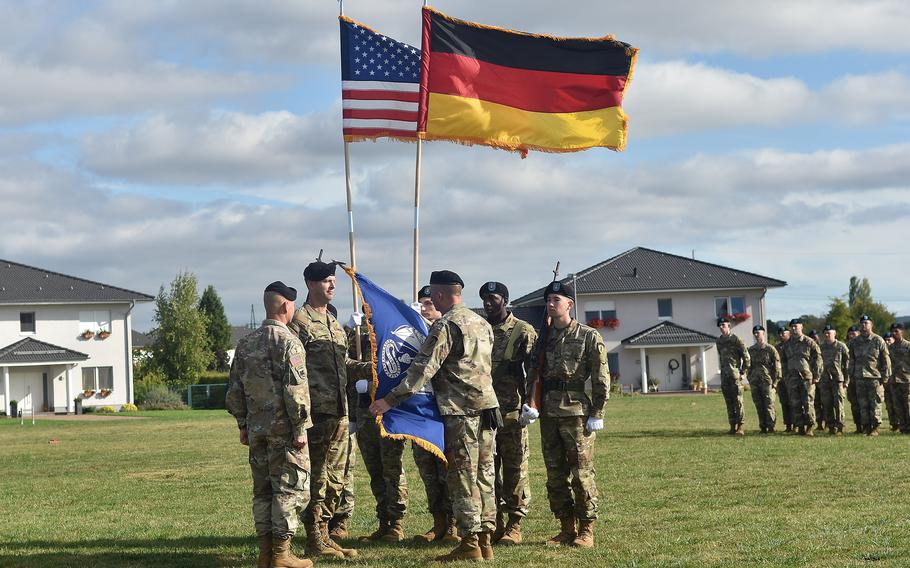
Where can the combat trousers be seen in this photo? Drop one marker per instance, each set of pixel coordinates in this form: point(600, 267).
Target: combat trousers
point(732, 389)
point(345, 507)
point(869, 394)
point(513, 491)
point(901, 394)
point(802, 398)
point(328, 444)
point(433, 473)
point(469, 451)
point(785, 409)
point(889, 404)
point(832, 395)
point(817, 404)
point(281, 485)
point(382, 458)
point(763, 397)
point(854, 403)
point(568, 454)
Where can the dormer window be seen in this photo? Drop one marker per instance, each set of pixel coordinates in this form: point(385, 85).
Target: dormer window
point(27, 322)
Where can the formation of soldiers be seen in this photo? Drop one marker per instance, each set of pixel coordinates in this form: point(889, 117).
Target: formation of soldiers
point(303, 405)
point(815, 377)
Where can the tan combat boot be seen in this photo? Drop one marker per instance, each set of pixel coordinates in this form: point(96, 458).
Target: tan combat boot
point(740, 431)
point(282, 557)
point(485, 542)
point(394, 532)
point(437, 531)
point(265, 551)
point(338, 528)
point(585, 538)
point(500, 527)
point(378, 533)
point(512, 533)
point(566, 533)
point(345, 552)
point(316, 545)
point(467, 549)
point(451, 532)
point(873, 431)
point(810, 430)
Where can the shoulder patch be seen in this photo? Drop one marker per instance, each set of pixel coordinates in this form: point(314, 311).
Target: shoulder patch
point(296, 360)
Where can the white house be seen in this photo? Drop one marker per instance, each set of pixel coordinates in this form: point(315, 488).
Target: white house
point(657, 313)
point(62, 338)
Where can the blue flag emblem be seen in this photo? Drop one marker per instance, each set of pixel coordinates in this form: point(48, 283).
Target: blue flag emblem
point(396, 335)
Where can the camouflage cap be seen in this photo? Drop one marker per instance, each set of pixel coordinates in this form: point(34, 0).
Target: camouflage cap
point(560, 289)
point(494, 288)
point(424, 292)
point(280, 287)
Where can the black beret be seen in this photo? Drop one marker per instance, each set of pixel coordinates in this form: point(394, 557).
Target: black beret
point(887, 335)
point(424, 292)
point(829, 327)
point(864, 317)
point(897, 325)
point(494, 288)
point(722, 320)
point(813, 333)
point(758, 328)
point(852, 328)
point(445, 277)
point(280, 287)
point(795, 321)
point(318, 270)
point(560, 288)
point(782, 330)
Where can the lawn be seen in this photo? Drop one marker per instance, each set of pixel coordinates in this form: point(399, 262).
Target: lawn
point(173, 489)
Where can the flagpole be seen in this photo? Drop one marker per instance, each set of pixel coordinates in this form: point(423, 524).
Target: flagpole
point(414, 284)
point(347, 183)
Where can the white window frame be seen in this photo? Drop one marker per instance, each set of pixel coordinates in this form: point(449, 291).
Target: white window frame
point(95, 321)
point(601, 307)
point(730, 310)
point(96, 377)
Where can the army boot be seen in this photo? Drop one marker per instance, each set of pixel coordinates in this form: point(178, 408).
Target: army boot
point(436, 532)
point(394, 532)
point(282, 557)
point(810, 430)
point(345, 552)
point(770, 430)
point(451, 532)
point(802, 430)
point(265, 551)
point(732, 429)
point(378, 533)
point(873, 431)
point(859, 429)
point(338, 528)
point(789, 429)
point(585, 538)
point(467, 549)
point(566, 532)
point(485, 542)
point(839, 431)
point(832, 430)
point(740, 431)
point(512, 534)
point(500, 527)
point(316, 545)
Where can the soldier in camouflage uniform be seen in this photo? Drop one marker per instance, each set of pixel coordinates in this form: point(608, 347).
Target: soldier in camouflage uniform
point(269, 397)
point(899, 352)
point(456, 358)
point(513, 340)
point(733, 358)
point(328, 368)
point(893, 420)
point(432, 470)
point(870, 367)
point(802, 363)
point(835, 378)
point(783, 394)
point(819, 409)
point(852, 332)
point(764, 374)
point(567, 356)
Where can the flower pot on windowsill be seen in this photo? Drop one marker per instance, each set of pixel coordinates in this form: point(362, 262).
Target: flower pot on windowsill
point(611, 323)
point(104, 334)
point(105, 393)
point(740, 317)
point(87, 334)
point(596, 323)
point(88, 393)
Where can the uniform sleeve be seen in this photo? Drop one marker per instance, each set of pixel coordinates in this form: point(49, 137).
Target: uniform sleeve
point(747, 359)
point(296, 387)
point(884, 361)
point(235, 399)
point(525, 353)
point(776, 370)
point(852, 356)
point(298, 327)
point(600, 374)
point(816, 361)
point(845, 361)
point(427, 362)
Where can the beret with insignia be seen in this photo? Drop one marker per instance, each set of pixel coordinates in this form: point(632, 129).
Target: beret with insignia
point(864, 317)
point(829, 327)
point(560, 288)
point(722, 320)
point(758, 328)
point(795, 321)
point(494, 288)
point(813, 333)
point(318, 270)
point(782, 330)
point(424, 292)
point(445, 277)
point(897, 325)
point(279, 287)
point(852, 328)
point(887, 335)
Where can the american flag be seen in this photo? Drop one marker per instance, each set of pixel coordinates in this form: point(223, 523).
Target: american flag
point(380, 84)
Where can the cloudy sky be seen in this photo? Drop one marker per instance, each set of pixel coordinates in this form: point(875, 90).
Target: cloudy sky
point(139, 139)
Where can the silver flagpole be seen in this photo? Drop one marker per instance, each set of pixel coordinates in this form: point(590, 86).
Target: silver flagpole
point(415, 285)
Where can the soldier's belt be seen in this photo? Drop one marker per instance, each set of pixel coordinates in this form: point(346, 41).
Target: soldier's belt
point(564, 386)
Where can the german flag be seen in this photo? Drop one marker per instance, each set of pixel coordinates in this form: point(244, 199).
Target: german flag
point(520, 91)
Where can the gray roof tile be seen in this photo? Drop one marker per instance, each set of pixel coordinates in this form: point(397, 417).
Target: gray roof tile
point(668, 333)
point(30, 350)
point(22, 284)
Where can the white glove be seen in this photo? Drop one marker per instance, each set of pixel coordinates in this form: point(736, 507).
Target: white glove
point(594, 424)
point(528, 415)
point(362, 386)
point(356, 319)
point(416, 307)
point(352, 428)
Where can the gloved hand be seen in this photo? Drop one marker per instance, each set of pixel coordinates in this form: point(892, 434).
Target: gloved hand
point(352, 428)
point(594, 424)
point(362, 386)
point(528, 415)
point(356, 319)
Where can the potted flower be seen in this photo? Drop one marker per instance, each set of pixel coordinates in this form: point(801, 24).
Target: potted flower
point(104, 334)
point(740, 317)
point(105, 393)
point(87, 334)
point(88, 393)
point(596, 323)
point(612, 323)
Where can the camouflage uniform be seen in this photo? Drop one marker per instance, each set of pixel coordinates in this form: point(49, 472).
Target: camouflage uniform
point(734, 360)
point(832, 389)
point(433, 472)
point(782, 393)
point(513, 340)
point(268, 395)
point(852, 398)
point(382, 458)
point(328, 368)
point(572, 357)
point(870, 366)
point(456, 359)
point(802, 363)
point(900, 379)
point(764, 374)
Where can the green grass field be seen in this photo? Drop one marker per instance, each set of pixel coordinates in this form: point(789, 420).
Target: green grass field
point(173, 490)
